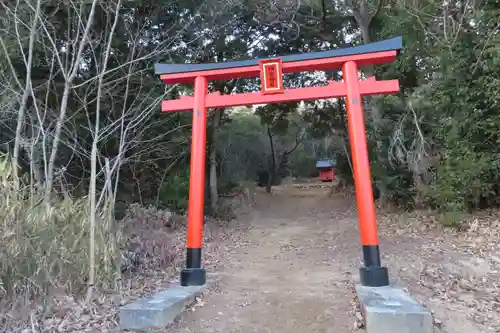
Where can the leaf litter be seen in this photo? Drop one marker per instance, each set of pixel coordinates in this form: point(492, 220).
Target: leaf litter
point(455, 273)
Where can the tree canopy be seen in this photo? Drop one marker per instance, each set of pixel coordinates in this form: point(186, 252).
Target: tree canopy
point(80, 73)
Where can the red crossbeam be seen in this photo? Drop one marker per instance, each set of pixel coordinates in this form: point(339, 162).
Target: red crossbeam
point(332, 90)
point(288, 67)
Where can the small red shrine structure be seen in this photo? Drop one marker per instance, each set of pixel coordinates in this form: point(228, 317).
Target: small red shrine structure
point(352, 88)
point(325, 168)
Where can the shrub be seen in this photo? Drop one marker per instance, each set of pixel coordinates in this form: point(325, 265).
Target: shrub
point(228, 186)
point(460, 181)
point(151, 238)
point(46, 245)
point(174, 192)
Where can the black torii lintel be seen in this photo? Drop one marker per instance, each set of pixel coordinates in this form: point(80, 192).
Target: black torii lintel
point(393, 44)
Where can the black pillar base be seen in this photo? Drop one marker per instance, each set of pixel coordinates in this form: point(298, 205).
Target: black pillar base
point(374, 276)
point(193, 277)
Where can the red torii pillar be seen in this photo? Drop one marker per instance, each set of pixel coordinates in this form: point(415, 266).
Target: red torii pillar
point(271, 73)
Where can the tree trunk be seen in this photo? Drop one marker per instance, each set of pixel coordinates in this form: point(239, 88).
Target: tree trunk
point(69, 77)
point(94, 215)
point(272, 169)
point(26, 93)
point(212, 160)
point(364, 20)
point(270, 181)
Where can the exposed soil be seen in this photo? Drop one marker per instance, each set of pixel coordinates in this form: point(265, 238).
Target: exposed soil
point(288, 263)
point(289, 274)
point(292, 270)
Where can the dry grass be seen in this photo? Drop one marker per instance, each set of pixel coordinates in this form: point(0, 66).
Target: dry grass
point(153, 240)
point(44, 262)
point(45, 247)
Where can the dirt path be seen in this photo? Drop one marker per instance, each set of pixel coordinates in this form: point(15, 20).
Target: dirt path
point(290, 275)
point(293, 270)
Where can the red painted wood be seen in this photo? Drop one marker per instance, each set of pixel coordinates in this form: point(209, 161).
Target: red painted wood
point(197, 169)
point(334, 89)
point(288, 67)
point(359, 153)
point(326, 174)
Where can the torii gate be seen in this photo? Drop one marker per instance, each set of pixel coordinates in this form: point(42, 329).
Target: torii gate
point(273, 91)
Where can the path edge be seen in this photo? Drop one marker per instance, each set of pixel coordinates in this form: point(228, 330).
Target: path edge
point(159, 309)
point(390, 309)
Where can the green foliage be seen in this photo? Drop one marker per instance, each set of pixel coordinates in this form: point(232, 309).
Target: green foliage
point(460, 180)
point(302, 163)
point(174, 192)
point(451, 218)
point(244, 147)
point(228, 186)
point(240, 147)
point(438, 143)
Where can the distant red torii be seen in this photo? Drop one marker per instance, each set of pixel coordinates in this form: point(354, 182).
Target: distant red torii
point(273, 91)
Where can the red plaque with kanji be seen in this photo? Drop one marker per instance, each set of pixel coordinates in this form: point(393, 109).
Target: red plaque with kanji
point(271, 76)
